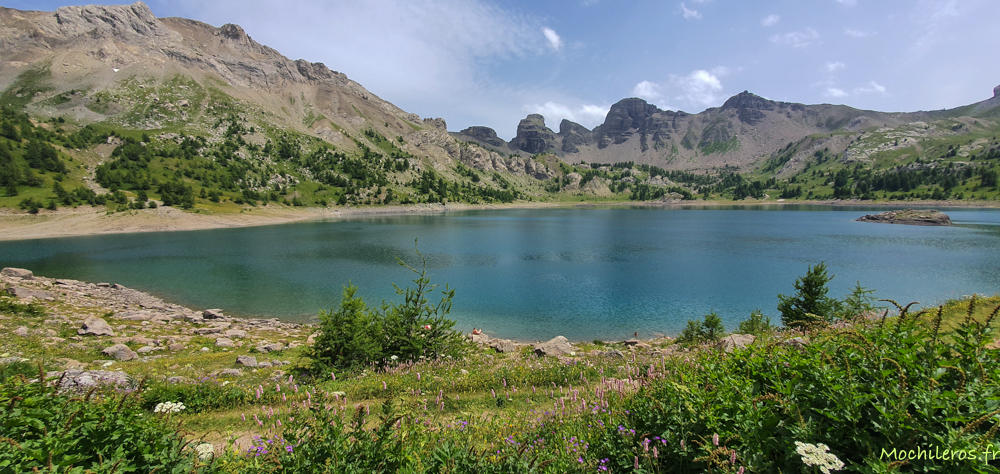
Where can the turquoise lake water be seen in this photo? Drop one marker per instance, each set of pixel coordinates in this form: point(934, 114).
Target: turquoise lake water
point(536, 273)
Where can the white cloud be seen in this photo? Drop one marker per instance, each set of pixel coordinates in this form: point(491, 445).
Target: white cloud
point(700, 88)
point(871, 88)
point(688, 13)
point(588, 115)
point(834, 92)
point(834, 66)
point(849, 3)
point(648, 91)
point(796, 39)
point(770, 20)
point(554, 40)
point(857, 34)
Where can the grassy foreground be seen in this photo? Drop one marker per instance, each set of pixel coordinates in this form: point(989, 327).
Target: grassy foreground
point(897, 393)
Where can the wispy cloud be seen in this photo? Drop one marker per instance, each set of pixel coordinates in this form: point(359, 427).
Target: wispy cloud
point(870, 88)
point(770, 20)
point(796, 39)
point(554, 40)
point(698, 90)
point(849, 3)
point(588, 115)
point(689, 13)
point(834, 92)
point(834, 66)
point(858, 34)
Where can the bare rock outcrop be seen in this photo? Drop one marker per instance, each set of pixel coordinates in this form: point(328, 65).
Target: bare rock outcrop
point(94, 326)
point(533, 136)
point(557, 346)
point(908, 217)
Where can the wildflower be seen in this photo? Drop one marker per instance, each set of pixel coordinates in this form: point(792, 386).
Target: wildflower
point(288, 448)
point(715, 439)
point(168, 407)
point(732, 458)
point(205, 451)
point(817, 455)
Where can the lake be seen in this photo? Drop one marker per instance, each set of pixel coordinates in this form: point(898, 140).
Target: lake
point(529, 274)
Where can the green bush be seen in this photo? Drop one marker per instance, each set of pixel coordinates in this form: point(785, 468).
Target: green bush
point(47, 431)
point(810, 304)
point(9, 305)
point(708, 329)
point(356, 335)
point(756, 324)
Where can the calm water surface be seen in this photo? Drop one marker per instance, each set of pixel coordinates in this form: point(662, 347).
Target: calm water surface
point(533, 274)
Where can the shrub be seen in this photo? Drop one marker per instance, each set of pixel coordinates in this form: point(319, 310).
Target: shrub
point(355, 335)
point(810, 303)
point(703, 330)
point(756, 324)
point(48, 431)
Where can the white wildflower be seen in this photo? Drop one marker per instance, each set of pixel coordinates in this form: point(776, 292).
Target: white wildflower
point(817, 455)
point(205, 451)
point(169, 407)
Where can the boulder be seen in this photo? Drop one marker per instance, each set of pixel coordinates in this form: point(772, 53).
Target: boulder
point(631, 342)
point(556, 346)
point(613, 354)
point(176, 347)
point(235, 333)
point(264, 365)
point(231, 372)
point(94, 326)
point(145, 349)
point(735, 341)
point(17, 273)
point(908, 217)
point(212, 314)
point(479, 338)
point(795, 342)
point(83, 380)
point(224, 342)
point(265, 348)
point(249, 361)
point(503, 345)
point(21, 331)
point(204, 331)
point(120, 352)
point(27, 293)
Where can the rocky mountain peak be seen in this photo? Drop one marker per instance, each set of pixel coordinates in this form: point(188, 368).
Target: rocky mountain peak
point(235, 33)
point(996, 91)
point(749, 107)
point(107, 20)
point(533, 136)
point(484, 134)
point(574, 136)
point(631, 115)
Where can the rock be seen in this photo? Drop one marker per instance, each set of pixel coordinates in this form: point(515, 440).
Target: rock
point(503, 345)
point(533, 136)
point(204, 331)
point(183, 103)
point(264, 349)
point(437, 123)
point(749, 108)
point(17, 273)
point(21, 331)
point(94, 326)
point(205, 349)
point(231, 372)
point(312, 338)
point(235, 333)
point(479, 338)
point(996, 91)
point(263, 365)
point(194, 318)
point(135, 316)
point(484, 134)
point(145, 349)
point(631, 342)
point(634, 116)
point(224, 342)
point(908, 217)
point(735, 341)
point(212, 314)
point(83, 380)
point(120, 352)
point(795, 342)
point(28, 293)
point(72, 363)
point(556, 346)
point(574, 136)
point(178, 379)
point(176, 347)
point(613, 354)
point(249, 361)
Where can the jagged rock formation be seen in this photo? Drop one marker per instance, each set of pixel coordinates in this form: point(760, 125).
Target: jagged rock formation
point(996, 91)
point(533, 136)
point(636, 116)
point(749, 107)
point(485, 135)
point(574, 136)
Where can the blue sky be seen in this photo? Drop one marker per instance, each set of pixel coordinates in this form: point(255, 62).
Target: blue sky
point(479, 62)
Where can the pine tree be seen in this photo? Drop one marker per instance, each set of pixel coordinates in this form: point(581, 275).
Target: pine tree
point(810, 303)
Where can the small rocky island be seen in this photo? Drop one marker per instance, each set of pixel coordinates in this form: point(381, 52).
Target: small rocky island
point(909, 216)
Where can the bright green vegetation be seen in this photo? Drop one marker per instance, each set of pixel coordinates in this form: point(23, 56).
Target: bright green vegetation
point(870, 388)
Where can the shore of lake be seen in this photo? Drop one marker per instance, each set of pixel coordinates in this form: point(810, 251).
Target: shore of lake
point(87, 220)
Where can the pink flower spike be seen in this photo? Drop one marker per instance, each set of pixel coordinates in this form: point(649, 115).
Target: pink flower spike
point(715, 439)
point(732, 459)
point(383, 385)
point(741, 470)
point(277, 387)
point(334, 376)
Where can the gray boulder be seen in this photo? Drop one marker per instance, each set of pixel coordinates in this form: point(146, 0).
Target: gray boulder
point(735, 341)
point(205, 331)
point(479, 338)
point(176, 347)
point(224, 342)
point(235, 333)
point(556, 346)
point(212, 314)
point(120, 352)
point(28, 293)
point(264, 365)
point(503, 345)
point(21, 331)
point(613, 354)
point(83, 380)
point(231, 372)
point(249, 361)
point(17, 273)
point(94, 326)
point(265, 348)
